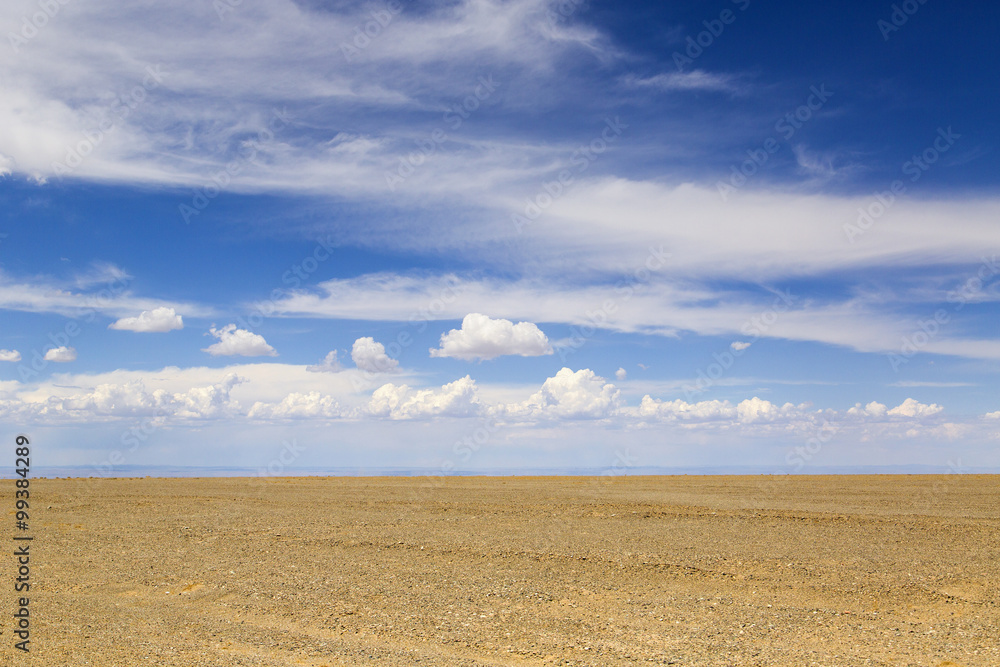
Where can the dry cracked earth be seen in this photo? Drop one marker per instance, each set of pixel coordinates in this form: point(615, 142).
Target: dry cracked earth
point(475, 571)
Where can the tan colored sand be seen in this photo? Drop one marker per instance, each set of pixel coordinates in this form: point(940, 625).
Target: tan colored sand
point(513, 571)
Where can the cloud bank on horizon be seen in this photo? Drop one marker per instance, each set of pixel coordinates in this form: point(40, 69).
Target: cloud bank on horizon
point(467, 215)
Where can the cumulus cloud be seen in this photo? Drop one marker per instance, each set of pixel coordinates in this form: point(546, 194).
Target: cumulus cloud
point(739, 345)
point(330, 364)
point(456, 399)
point(653, 408)
point(484, 338)
point(210, 401)
point(992, 415)
point(749, 411)
point(61, 354)
point(910, 410)
point(233, 341)
point(757, 409)
point(158, 320)
point(370, 356)
point(873, 409)
point(287, 392)
point(571, 395)
point(913, 408)
point(6, 165)
point(621, 374)
point(131, 399)
point(10, 355)
point(298, 406)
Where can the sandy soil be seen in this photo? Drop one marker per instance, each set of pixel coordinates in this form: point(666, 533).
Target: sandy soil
point(726, 571)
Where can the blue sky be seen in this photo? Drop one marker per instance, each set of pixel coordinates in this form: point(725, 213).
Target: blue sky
point(695, 231)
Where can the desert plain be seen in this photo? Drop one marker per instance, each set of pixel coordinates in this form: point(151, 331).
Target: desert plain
point(474, 571)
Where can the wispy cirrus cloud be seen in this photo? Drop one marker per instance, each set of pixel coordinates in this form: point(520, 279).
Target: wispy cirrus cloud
point(44, 294)
point(681, 81)
point(196, 118)
point(656, 308)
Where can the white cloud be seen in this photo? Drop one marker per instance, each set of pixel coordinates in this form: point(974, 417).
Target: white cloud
point(484, 338)
point(621, 374)
point(757, 409)
point(158, 320)
point(10, 355)
point(6, 165)
point(951, 431)
point(659, 307)
point(456, 399)
point(817, 165)
point(370, 356)
point(873, 409)
point(330, 364)
point(651, 408)
point(693, 80)
point(47, 295)
point(289, 392)
point(992, 415)
point(298, 406)
point(908, 409)
point(129, 400)
point(185, 135)
point(567, 395)
point(265, 382)
point(233, 341)
point(103, 274)
point(749, 411)
point(913, 408)
point(739, 346)
point(922, 383)
point(209, 402)
point(61, 354)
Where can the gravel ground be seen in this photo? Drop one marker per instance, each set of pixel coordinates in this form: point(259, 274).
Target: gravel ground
point(722, 571)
